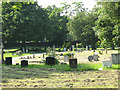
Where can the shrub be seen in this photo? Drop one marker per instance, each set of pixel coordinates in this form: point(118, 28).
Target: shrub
point(100, 52)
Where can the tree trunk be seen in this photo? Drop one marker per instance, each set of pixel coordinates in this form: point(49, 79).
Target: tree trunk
point(106, 49)
point(23, 45)
point(2, 56)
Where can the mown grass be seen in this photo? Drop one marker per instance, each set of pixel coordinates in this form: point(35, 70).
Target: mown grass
point(81, 67)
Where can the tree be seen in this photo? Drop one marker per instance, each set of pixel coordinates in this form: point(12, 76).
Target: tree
point(107, 24)
point(59, 24)
point(81, 28)
point(24, 21)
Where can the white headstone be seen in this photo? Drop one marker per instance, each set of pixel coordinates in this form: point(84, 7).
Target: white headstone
point(64, 49)
point(66, 59)
point(23, 50)
point(72, 47)
point(26, 50)
point(7, 52)
point(86, 47)
point(53, 47)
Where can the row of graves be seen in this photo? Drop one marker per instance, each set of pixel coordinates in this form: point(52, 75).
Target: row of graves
point(50, 58)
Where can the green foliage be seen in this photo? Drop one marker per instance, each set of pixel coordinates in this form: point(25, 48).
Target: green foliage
point(107, 23)
point(100, 52)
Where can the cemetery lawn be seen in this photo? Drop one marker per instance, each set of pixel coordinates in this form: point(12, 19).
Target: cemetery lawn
point(59, 76)
point(62, 76)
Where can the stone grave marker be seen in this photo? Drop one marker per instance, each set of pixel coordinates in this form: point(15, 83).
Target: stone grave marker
point(81, 49)
point(23, 50)
point(90, 58)
point(8, 61)
point(50, 61)
point(86, 47)
point(64, 49)
point(33, 55)
point(7, 52)
point(66, 58)
point(95, 56)
point(24, 63)
point(72, 47)
point(115, 58)
point(73, 63)
point(107, 63)
point(26, 50)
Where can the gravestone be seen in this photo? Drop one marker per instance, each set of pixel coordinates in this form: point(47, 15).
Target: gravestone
point(66, 58)
point(53, 47)
point(23, 50)
point(78, 50)
point(8, 61)
point(64, 49)
point(86, 47)
point(33, 55)
point(50, 61)
point(95, 56)
point(90, 58)
point(73, 63)
point(24, 63)
point(115, 58)
point(7, 52)
point(72, 47)
point(12, 53)
point(107, 63)
point(26, 50)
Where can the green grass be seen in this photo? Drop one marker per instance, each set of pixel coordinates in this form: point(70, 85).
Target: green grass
point(67, 68)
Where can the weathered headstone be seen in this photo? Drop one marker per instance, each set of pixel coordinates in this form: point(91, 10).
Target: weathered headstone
point(66, 58)
point(26, 50)
point(86, 47)
point(73, 63)
point(90, 58)
point(95, 56)
point(8, 61)
point(23, 50)
point(33, 55)
point(24, 63)
point(115, 58)
point(72, 47)
point(50, 61)
point(107, 63)
point(12, 53)
point(7, 52)
point(53, 47)
point(64, 49)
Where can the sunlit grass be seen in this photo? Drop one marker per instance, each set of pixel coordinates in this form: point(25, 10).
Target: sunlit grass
point(81, 67)
point(10, 55)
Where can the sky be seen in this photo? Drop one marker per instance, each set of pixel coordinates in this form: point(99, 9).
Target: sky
point(87, 3)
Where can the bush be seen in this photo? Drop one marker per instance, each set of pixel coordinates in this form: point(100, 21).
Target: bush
point(100, 52)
